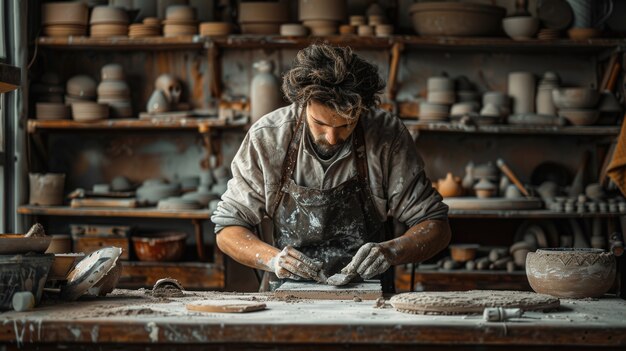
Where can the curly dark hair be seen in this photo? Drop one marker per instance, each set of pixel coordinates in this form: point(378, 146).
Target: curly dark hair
point(335, 77)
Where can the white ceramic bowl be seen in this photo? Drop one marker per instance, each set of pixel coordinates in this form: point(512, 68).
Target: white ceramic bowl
point(521, 27)
point(580, 117)
point(576, 98)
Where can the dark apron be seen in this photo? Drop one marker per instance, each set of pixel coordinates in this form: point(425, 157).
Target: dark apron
point(327, 225)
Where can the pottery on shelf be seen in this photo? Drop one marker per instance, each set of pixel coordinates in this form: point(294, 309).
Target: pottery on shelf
point(571, 273)
point(521, 27)
point(265, 95)
point(519, 251)
point(463, 252)
point(81, 86)
point(469, 180)
point(157, 103)
point(544, 101)
point(485, 189)
point(456, 19)
point(580, 117)
point(521, 88)
point(512, 192)
point(450, 186)
point(46, 189)
point(575, 97)
point(170, 86)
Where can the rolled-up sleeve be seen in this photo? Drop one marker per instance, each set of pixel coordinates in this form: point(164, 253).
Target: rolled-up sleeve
point(411, 197)
point(243, 203)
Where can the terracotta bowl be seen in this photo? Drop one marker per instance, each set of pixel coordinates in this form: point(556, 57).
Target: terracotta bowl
point(580, 117)
point(81, 86)
point(159, 247)
point(293, 30)
point(570, 273)
point(75, 12)
point(108, 15)
point(64, 30)
point(575, 97)
point(463, 252)
point(521, 27)
point(107, 30)
point(51, 111)
point(456, 19)
point(215, 28)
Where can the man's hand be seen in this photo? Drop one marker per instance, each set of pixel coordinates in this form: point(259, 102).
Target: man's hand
point(371, 260)
point(293, 264)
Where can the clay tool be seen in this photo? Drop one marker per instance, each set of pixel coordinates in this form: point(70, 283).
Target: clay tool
point(340, 279)
point(509, 173)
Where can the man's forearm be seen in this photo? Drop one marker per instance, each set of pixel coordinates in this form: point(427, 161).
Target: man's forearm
point(419, 243)
point(246, 248)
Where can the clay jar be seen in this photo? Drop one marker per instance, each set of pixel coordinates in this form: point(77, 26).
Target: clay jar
point(265, 95)
point(450, 186)
point(570, 273)
point(522, 91)
point(46, 189)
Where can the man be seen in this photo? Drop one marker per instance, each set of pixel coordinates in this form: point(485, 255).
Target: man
point(329, 170)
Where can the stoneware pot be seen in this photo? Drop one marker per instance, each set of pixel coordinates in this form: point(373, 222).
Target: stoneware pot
point(159, 247)
point(46, 189)
point(522, 92)
point(570, 273)
point(456, 19)
point(265, 95)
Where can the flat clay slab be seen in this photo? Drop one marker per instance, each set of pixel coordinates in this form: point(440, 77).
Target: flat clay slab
point(365, 290)
point(225, 306)
point(470, 302)
point(472, 203)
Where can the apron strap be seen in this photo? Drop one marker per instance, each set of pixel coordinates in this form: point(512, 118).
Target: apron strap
point(361, 154)
point(289, 163)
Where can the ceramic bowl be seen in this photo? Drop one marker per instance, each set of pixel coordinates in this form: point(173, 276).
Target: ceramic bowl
point(441, 97)
point(88, 111)
point(51, 111)
point(521, 27)
point(575, 97)
point(580, 117)
point(321, 27)
point(64, 30)
point(456, 19)
point(263, 12)
point(113, 88)
point(181, 13)
point(175, 30)
point(332, 10)
point(463, 252)
point(75, 12)
point(159, 247)
point(570, 273)
point(490, 110)
point(108, 15)
point(107, 30)
point(293, 30)
point(81, 86)
point(215, 28)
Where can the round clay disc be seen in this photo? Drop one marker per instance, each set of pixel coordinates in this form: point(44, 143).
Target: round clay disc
point(470, 302)
point(89, 271)
point(555, 14)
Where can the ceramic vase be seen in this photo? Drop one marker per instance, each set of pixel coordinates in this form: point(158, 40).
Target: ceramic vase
point(544, 101)
point(265, 94)
point(450, 186)
point(522, 92)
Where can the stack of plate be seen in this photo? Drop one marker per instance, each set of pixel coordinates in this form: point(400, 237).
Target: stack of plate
point(51, 110)
point(180, 20)
point(89, 111)
point(440, 96)
point(108, 21)
point(256, 17)
point(549, 34)
point(151, 27)
point(63, 19)
point(114, 91)
point(322, 17)
point(80, 88)
point(215, 29)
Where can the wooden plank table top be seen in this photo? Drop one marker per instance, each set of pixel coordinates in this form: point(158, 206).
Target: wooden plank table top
point(134, 317)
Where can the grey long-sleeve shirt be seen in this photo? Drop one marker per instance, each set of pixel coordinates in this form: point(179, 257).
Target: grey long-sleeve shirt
point(397, 179)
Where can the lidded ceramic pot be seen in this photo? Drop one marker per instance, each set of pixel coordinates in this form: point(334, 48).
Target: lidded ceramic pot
point(485, 189)
point(450, 186)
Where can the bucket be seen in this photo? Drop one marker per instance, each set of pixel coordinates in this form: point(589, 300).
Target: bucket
point(23, 273)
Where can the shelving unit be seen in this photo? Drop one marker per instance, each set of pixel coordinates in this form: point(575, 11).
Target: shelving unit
point(395, 45)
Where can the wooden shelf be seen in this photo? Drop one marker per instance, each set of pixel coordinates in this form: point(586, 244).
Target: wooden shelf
point(146, 212)
point(131, 124)
point(276, 41)
point(461, 280)
point(122, 43)
point(527, 214)
point(191, 275)
point(442, 127)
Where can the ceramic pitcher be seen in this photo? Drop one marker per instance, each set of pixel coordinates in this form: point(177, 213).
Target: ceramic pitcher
point(591, 13)
point(265, 94)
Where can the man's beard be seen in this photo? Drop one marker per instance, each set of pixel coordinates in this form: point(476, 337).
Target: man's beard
point(323, 148)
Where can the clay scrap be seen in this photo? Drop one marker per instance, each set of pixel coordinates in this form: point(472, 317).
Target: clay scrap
point(365, 290)
point(470, 302)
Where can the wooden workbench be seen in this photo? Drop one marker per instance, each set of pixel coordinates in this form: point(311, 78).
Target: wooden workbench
point(127, 318)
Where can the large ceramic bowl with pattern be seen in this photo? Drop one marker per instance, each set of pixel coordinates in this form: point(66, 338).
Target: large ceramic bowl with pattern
point(570, 273)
